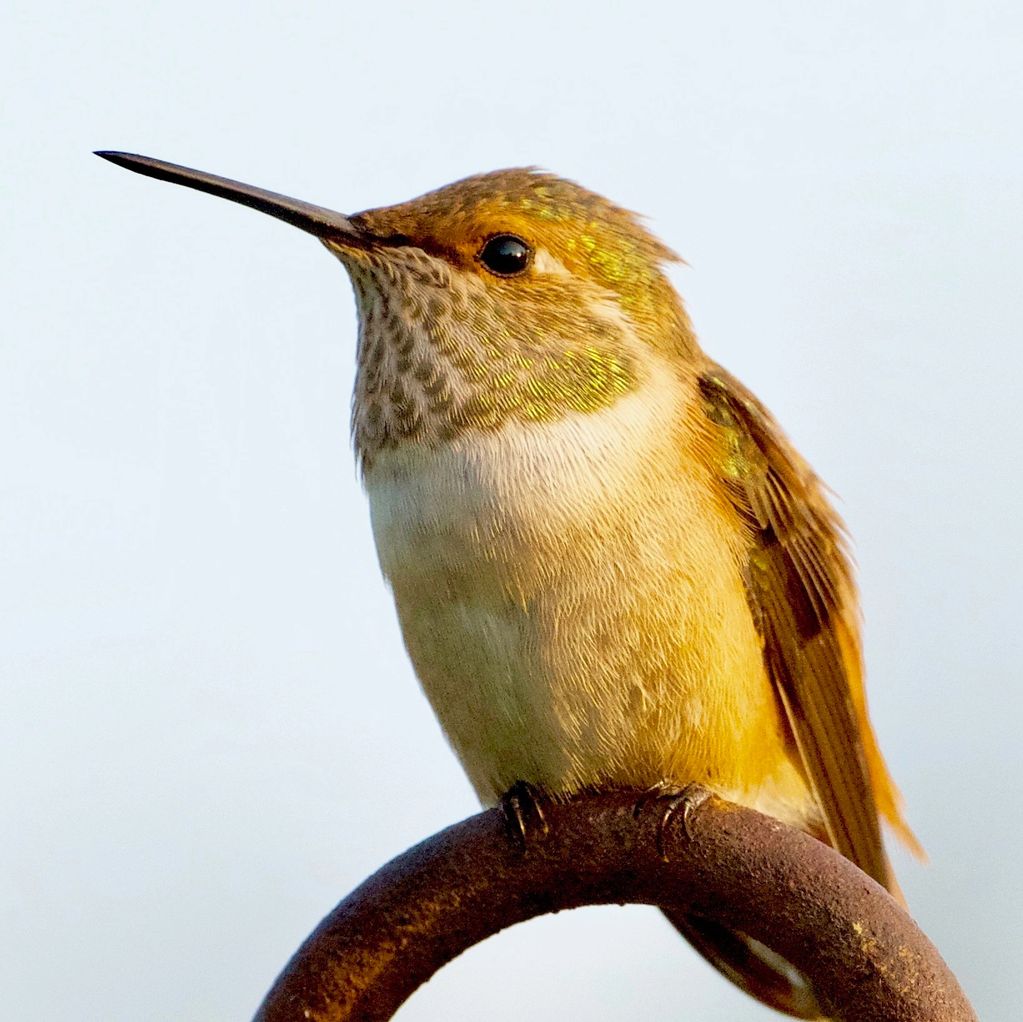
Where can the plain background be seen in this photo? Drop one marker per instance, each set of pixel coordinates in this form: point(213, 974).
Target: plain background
point(209, 731)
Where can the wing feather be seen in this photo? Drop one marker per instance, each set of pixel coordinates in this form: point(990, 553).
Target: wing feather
point(802, 596)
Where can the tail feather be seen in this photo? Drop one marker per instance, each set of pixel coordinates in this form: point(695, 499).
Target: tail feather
point(750, 965)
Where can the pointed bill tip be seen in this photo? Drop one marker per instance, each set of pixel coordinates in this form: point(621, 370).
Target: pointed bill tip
point(131, 161)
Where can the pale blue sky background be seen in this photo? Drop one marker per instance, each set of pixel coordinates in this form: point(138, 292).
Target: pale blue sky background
point(209, 731)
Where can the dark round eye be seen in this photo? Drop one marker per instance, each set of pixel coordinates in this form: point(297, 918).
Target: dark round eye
point(505, 255)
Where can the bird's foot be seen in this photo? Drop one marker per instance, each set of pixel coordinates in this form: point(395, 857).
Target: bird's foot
point(522, 805)
point(672, 799)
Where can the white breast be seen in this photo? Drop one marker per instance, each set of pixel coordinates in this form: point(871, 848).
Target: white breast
point(569, 594)
point(523, 477)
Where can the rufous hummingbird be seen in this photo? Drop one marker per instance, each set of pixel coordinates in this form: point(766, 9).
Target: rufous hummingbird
point(610, 566)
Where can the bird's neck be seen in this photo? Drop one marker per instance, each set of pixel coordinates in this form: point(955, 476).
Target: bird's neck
point(436, 364)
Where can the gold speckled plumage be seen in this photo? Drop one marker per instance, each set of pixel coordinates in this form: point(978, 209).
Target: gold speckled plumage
point(437, 358)
point(494, 350)
point(609, 564)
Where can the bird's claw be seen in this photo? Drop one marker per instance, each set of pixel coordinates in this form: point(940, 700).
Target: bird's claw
point(673, 799)
point(522, 805)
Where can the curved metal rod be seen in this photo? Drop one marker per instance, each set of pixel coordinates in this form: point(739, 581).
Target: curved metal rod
point(866, 956)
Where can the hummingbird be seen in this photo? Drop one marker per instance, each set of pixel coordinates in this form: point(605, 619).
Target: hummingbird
point(610, 566)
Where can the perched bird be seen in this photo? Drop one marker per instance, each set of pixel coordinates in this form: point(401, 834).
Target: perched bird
point(610, 566)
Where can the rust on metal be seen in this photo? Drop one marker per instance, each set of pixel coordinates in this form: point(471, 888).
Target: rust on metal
point(865, 955)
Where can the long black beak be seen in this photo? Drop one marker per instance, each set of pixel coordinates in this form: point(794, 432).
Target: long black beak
point(318, 220)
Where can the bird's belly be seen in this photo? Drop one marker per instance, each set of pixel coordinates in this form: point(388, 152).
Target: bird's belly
point(575, 612)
